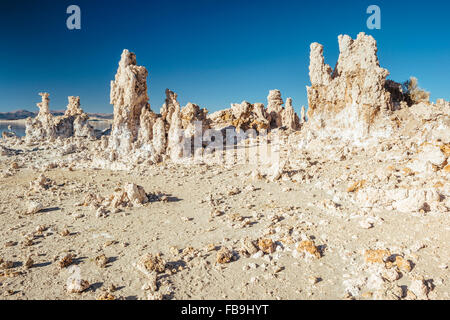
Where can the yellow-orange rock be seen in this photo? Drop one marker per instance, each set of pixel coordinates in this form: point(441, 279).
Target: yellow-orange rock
point(376, 256)
point(309, 247)
point(403, 264)
point(266, 245)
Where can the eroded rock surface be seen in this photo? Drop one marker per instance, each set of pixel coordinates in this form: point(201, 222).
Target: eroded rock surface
point(245, 116)
point(242, 116)
point(350, 101)
point(42, 126)
point(74, 123)
point(129, 97)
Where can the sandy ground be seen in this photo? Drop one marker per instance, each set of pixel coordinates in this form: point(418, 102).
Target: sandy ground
point(207, 208)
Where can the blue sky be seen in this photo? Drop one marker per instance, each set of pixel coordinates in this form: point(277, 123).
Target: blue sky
point(211, 52)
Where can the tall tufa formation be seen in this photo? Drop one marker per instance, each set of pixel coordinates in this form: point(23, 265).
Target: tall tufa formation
point(289, 118)
point(147, 121)
point(129, 97)
point(74, 122)
point(41, 127)
point(80, 123)
point(280, 116)
point(303, 115)
point(350, 101)
point(139, 134)
point(274, 108)
point(169, 106)
point(74, 107)
point(175, 136)
point(44, 105)
point(194, 120)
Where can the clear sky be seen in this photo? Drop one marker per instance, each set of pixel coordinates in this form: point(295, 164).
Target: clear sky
point(211, 52)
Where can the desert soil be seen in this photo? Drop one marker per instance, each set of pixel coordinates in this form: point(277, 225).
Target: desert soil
point(209, 207)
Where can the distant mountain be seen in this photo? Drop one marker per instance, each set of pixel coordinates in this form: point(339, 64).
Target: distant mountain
point(16, 115)
point(23, 114)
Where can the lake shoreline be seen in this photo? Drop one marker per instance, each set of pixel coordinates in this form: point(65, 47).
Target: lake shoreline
point(18, 126)
point(16, 122)
point(23, 121)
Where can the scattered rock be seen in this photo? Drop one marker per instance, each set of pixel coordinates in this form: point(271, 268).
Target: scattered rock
point(376, 256)
point(29, 263)
point(310, 248)
point(101, 261)
point(402, 264)
point(224, 255)
point(6, 264)
point(151, 263)
point(77, 286)
point(66, 261)
point(266, 245)
point(34, 207)
point(248, 247)
point(106, 296)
